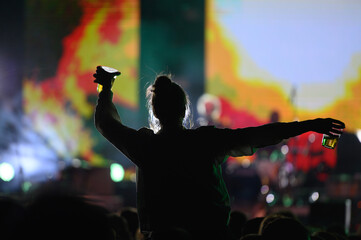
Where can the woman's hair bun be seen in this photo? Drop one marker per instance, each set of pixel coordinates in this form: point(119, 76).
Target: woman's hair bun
point(162, 82)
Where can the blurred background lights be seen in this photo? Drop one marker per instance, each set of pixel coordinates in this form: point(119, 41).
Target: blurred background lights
point(246, 163)
point(133, 177)
point(314, 197)
point(26, 186)
point(264, 189)
point(312, 138)
point(7, 172)
point(76, 162)
point(270, 198)
point(287, 201)
point(116, 172)
point(284, 149)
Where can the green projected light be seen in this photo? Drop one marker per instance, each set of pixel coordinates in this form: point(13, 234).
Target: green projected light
point(116, 172)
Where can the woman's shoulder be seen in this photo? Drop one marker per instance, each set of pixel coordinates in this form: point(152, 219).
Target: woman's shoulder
point(146, 131)
point(209, 129)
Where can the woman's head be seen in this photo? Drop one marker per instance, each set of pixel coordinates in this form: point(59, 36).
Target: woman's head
point(167, 102)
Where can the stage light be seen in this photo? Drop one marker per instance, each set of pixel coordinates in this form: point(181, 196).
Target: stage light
point(270, 198)
point(76, 162)
point(274, 156)
point(26, 186)
point(312, 138)
point(358, 134)
point(314, 197)
point(7, 172)
point(116, 172)
point(264, 189)
point(284, 149)
point(287, 201)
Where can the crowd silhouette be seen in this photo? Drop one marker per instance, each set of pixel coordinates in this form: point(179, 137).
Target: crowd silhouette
point(61, 215)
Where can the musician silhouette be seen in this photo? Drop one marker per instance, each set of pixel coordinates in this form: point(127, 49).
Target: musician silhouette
point(179, 177)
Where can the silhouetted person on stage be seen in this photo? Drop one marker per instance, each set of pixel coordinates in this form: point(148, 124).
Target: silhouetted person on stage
point(179, 178)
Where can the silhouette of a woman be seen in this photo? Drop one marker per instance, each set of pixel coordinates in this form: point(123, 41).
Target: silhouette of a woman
point(179, 177)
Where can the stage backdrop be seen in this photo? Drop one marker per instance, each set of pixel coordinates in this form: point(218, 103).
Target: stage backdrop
point(257, 61)
point(65, 43)
point(279, 60)
point(301, 59)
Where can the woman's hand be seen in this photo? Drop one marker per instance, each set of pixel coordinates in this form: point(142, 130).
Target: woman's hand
point(104, 78)
point(329, 126)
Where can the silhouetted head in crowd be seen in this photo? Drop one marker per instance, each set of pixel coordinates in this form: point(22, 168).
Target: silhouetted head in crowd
point(12, 215)
point(286, 213)
point(251, 237)
point(324, 235)
point(168, 104)
point(354, 237)
point(236, 222)
point(252, 226)
point(59, 216)
point(267, 220)
point(173, 233)
point(120, 227)
point(284, 228)
point(336, 229)
point(131, 215)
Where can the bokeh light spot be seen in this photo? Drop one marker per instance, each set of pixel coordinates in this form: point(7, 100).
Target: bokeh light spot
point(116, 172)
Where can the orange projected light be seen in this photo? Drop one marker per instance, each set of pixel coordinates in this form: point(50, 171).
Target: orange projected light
point(107, 34)
point(299, 59)
point(256, 73)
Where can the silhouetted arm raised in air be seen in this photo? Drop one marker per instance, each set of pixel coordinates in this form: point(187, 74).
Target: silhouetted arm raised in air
point(109, 124)
point(273, 133)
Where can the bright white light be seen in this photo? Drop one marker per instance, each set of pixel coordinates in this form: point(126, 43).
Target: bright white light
point(7, 172)
point(116, 172)
point(270, 198)
point(284, 149)
point(314, 197)
point(76, 162)
point(358, 134)
point(264, 189)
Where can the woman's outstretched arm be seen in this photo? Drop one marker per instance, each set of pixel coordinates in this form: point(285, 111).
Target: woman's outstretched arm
point(273, 133)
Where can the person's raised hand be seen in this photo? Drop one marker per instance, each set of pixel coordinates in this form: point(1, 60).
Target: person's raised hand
point(104, 78)
point(329, 126)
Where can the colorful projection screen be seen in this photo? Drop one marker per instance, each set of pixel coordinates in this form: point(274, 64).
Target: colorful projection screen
point(283, 61)
point(64, 42)
point(301, 59)
point(265, 61)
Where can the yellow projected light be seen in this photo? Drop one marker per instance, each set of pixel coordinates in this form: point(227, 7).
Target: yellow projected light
point(301, 59)
point(59, 106)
